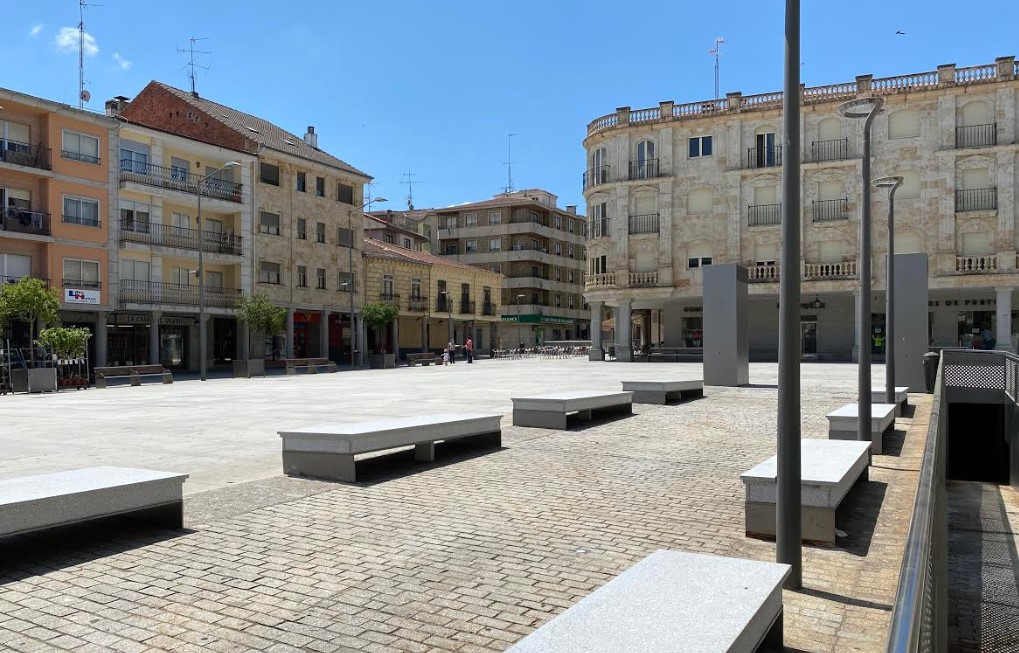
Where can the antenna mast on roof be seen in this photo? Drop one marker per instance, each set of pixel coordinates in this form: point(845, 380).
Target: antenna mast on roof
point(83, 95)
point(410, 189)
point(368, 201)
point(717, 51)
point(191, 65)
point(509, 162)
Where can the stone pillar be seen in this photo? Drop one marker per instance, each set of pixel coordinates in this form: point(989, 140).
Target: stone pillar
point(1003, 310)
point(154, 338)
point(910, 321)
point(323, 335)
point(289, 346)
point(396, 338)
point(726, 325)
point(101, 337)
point(624, 335)
point(596, 353)
point(424, 334)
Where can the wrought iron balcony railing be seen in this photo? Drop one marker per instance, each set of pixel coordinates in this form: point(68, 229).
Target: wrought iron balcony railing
point(488, 308)
point(25, 222)
point(646, 169)
point(644, 224)
point(976, 199)
point(830, 210)
point(78, 156)
point(595, 176)
point(155, 292)
point(25, 154)
point(180, 180)
point(443, 304)
point(389, 297)
point(759, 215)
point(155, 233)
point(764, 157)
point(81, 220)
point(833, 150)
point(466, 307)
point(976, 135)
point(598, 228)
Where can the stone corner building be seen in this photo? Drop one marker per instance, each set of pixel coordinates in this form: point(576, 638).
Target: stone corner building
point(677, 187)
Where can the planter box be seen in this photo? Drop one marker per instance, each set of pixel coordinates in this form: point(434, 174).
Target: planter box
point(245, 369)
point(382, 361)
point(39, 379)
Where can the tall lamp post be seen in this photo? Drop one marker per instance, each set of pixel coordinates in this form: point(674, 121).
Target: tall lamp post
point(892, 184)
point(866, 108)
point(449, 307)
point(203, 346)
point(520, 325)
point(350, 267)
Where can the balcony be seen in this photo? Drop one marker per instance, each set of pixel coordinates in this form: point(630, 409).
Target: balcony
point(762, 273)
point(179, 180)
point(762, 215)
point(830, 210)
point(488, 308)
point(976, 199)
point(389, 297)
point(12, 279)
point(643, 279)
point(764, 157)
point(25, 222)
point(443, 304)
point(81, 284)
point(646, 169)
point(826, 271)
point(81, 220)
point(154, 233)
point(25, 154)
point(833, 150)
point(417, 304)
point(528, 247)
point(983, 264)
point(644, 224)
point(155, 292)
point(976, 136)
point(596, 176)
point(466, 307)
point(598, 228)
point(78, 156)
point(603, 280)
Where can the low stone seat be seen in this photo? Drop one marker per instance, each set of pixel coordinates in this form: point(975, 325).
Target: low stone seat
point(829, 468)
point(901, 397)
point(550, 411)
point(32, 503)
point(423, 358)
point(673, 602)
point(842, 423)
point(327, 450)
point(662, 392)
point(311, 365)
point(132, 372)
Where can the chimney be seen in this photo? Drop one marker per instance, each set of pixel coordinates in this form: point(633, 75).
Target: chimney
point(116, 105)
point(311, 138)
point(571, 209)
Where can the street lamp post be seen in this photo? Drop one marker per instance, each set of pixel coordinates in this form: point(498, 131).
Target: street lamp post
point(520, 327)
point(203, 346)
point(350, 268)
point(892, 184)
point(866, 108)
point(449, 307)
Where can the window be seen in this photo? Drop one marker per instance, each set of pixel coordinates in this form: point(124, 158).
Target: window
point(302, 276)
point(214, 279)
point(698, 262)
point(495, 217)
point(81, 210)
point(494, 244)
point(134, 157)
point(558, 300)
point(390, 239)
point(302, 182)
point(180, 276)
point(179, 222)
point(269, 273)
point(344, 282)
point(132, 272)
point(471, 247)
point(496, 268)
point(80, 273)
point(571, 301)
point(904, 123)
point(451, 248)
point(559, 249)
point(558, 274)
point(320, 278)
point(646, 165)
point(387, 286)
point(344, 193)
point(134, 216)
point(571, 276)
point(320, 186)
point(471, 219)
point(700, 146)
point(344, 237)
point(320, 232)
point(571, 251)
point(269, 223)
point(571, 225)
point(302, 229)
point(16, 136)
point(179, 169)
point(14, 266)
point(765, 154)
point(79, 147)
point(269, 174)
point(449, 222)
point(406, 243)
point(415, 288)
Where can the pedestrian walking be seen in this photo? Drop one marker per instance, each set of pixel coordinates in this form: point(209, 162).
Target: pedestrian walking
point(452, 352)
point(469, 348)
point(445, 356)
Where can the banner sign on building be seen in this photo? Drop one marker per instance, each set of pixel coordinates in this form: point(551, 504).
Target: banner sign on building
point(75, 296)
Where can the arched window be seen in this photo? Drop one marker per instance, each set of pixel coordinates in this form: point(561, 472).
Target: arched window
point(646, 165)
point(904, 123)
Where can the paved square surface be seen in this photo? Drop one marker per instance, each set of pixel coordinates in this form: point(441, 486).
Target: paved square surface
point(468, 553)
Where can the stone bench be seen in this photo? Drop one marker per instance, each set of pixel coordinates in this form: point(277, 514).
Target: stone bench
point(32, 503)
point(132, 372)
point(327, 450)
point(842, 423)
point(423, 358)
point(673, 601)
point(309, 364)
point(550, 411)
point(901, 397)
point(828, 469)
point(662, 392)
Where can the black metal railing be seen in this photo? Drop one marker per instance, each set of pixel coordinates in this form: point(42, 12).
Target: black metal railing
point(525, 274)
point(833, 150)
point(976, 199)
point(155, 233)
point(644, 224)
point(528, 218)
point(78, 156)
point(178, 294)
point(80, 220)
point(24, 222)
point(830, 210)
point(389, 297)
point(976, 135)
point(598, 228)
point(764, 214)
point(466, 307)
point(764, 157)
point(488, 308)
point(528, 247)
point(417, 304)
point(595, 176)
point(646, 169)
point(25, 154)
point(443, 304)
point(177, 179)
point(82, 284)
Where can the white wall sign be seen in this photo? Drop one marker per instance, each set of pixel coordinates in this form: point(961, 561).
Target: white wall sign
point(75, 296)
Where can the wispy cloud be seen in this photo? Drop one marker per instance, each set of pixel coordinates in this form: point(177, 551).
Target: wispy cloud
point(35, 30)
point(67, 41)
point(121, 61)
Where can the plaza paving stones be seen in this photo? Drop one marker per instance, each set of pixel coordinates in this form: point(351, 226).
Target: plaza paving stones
point(467, 554)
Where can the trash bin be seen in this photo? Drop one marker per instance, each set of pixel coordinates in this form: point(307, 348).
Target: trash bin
point(930, 370)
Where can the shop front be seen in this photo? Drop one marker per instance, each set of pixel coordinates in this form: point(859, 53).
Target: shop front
point(129, 339)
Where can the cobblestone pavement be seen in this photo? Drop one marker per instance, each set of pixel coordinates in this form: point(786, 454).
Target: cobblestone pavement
point(469, 553)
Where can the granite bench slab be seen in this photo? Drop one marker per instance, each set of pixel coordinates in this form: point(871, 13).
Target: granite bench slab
point(842, 423)
point(828, 469)
point(327, 450)
point(672, 602)
point(661, 392)
point(550, 411)
point(877, 396)
point(32, 503)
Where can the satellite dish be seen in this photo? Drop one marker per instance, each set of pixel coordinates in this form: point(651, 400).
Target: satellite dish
point(85, 96)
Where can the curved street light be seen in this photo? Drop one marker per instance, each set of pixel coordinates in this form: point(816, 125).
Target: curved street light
point(203, 346)
point(892, 184)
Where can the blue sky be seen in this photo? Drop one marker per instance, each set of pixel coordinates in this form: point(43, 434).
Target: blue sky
point(435, 87)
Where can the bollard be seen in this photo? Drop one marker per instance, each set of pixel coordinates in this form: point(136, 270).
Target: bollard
point(930, 370)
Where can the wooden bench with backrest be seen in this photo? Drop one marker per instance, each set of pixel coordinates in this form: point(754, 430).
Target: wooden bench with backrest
point(132, 372)
point(309, 364)
point(423, 358)
point(551, 411)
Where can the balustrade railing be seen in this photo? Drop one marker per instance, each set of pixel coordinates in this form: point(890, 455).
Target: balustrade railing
point(178, 179)
point(759, 215)
point(646, 169)
point(154, 292)
point(912, 82)
point(643, 279)
point(443, 304)
point(644, 224)
point(830, 210)
point(155, 233)
point(645, 115)
point(976, 135)
point(25, 154)
point(389, 297)
point(85, 221)
point(25, 222)
point(602, 280)
point(762, 273)
point(822, 271)
point(833, 150)
point(977, 74)
point(976, 199)
point(984, 264)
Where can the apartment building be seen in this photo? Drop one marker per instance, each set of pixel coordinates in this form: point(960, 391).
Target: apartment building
point(674, 188)
point(305, 233)
point(539, 249)
point(439, 298)
point(57, 202)
point(406, 229)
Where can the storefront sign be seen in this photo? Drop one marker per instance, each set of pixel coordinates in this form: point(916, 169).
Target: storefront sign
point(132, 318)
point(964, 302)
point(75, 296)
point(177, 321)
point(693, 309)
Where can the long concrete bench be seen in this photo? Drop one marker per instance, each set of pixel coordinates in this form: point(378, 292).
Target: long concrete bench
point(32, 503)
point(550, 411)
point(309, 364)
point(901, 397)
point(828, 469)
point(327, 450)
point(423, 358)
point(672, 602)
point(132, 372)
point(842, 423)
point(662, 392)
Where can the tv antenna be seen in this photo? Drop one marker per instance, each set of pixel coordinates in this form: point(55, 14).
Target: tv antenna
point(509, 163)
point(717, 51)
point(409, 183)
point(191, 65)
point(368, 201)
point(83, 95)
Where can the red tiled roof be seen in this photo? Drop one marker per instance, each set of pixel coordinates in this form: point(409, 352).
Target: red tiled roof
point(379, 249)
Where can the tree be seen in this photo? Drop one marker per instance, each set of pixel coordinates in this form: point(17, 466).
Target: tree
point(263, 319)
point(377, 315)
point(66, 342)
point(31, 300)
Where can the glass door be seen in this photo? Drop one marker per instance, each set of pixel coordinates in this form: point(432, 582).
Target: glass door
point(808, 340)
